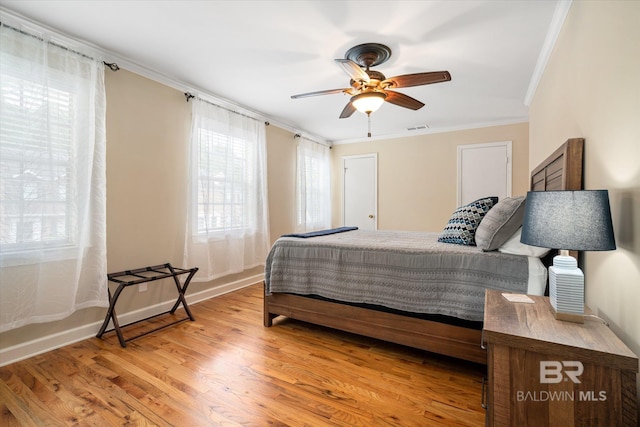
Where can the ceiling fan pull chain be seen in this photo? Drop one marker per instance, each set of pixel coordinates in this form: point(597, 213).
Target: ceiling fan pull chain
point(369, 120)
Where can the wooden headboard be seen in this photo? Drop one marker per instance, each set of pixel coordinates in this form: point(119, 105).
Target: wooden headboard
point(562, 170)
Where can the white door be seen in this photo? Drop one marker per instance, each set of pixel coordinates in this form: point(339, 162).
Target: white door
point(360, 190)
point(484, 170)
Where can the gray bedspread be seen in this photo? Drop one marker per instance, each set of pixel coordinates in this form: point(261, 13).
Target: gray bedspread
point(408, 271)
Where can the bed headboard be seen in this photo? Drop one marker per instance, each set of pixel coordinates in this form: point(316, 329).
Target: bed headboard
point(562, 170)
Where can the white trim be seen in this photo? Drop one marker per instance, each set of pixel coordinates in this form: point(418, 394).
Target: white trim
point(560, 14)
point(51, 342)
point(509, 172)
point(14, 19)
point(407, 134)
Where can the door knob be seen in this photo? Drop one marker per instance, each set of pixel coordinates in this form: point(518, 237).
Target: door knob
point(371, 216)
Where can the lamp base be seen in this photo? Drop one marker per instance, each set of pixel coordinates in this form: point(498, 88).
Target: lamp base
point(566, 289)
point(568, 317)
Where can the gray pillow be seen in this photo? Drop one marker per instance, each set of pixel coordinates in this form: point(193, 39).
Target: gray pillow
point(499, 224)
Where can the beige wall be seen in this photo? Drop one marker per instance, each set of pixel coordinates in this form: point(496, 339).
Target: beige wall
point(591, 89)
point(417, 176)
point(148, 127)
point(281, 164)
point(147, 136)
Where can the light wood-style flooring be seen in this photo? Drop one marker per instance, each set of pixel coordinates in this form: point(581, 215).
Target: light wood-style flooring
point(227, 369)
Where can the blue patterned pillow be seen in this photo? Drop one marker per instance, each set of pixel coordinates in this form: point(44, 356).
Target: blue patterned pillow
point(462, 226)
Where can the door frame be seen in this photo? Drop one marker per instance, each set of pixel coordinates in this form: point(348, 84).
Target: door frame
point(506, 144)
point(375, 184)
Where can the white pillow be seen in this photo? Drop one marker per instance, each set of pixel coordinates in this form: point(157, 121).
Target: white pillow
point(515, 247)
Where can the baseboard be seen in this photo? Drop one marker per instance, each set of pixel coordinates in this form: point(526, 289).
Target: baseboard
point(51, 342)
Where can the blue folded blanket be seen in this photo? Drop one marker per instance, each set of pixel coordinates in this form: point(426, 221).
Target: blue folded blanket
point(321, 232)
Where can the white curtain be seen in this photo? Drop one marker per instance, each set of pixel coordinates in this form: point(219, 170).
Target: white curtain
point(53, 182)
point(227, 224)
point(313, 192)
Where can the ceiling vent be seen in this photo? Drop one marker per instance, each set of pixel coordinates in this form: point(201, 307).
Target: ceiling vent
point(419, 127)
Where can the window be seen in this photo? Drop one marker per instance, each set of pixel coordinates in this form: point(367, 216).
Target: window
point(52, 180)
point(226, 230)
point(36, 163)
point(223, 178)
point(313, 198)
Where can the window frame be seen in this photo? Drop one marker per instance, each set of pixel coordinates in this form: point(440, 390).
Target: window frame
point(62, 154)
point(241, 162)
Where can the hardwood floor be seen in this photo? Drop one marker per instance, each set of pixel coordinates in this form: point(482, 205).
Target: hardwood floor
point(227, 369)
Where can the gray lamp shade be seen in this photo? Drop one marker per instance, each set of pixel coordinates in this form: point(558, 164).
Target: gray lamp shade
point(571, 220)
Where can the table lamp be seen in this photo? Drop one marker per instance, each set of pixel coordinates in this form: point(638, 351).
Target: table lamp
point(568, 220)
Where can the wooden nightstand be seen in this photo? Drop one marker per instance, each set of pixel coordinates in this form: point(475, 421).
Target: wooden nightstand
point(547, 372)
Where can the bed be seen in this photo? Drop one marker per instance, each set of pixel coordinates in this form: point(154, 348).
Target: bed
point(349, 279)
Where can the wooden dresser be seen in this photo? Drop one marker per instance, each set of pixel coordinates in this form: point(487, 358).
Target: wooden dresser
point(547, 372)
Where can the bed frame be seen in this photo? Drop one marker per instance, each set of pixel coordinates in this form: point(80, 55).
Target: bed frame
point(560, 171)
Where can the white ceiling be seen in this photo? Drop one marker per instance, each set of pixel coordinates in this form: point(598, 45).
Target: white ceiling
point(257, 54)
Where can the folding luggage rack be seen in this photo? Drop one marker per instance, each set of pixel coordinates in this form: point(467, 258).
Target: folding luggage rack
point(142, 275)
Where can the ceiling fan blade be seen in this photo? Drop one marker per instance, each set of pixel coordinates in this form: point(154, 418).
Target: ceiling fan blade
point(321, 92)
point(403, 100)
point(353, 70)
point(349, 109)
point(417, 79)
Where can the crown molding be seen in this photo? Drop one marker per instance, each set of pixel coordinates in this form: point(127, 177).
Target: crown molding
point(559, 16)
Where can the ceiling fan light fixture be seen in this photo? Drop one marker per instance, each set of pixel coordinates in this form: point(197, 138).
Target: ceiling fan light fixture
point(368, 102)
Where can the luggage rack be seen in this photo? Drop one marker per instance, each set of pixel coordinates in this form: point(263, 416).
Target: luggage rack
point(143, 275)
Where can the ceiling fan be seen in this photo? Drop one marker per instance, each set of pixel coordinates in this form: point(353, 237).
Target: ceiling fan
point(370, 89)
